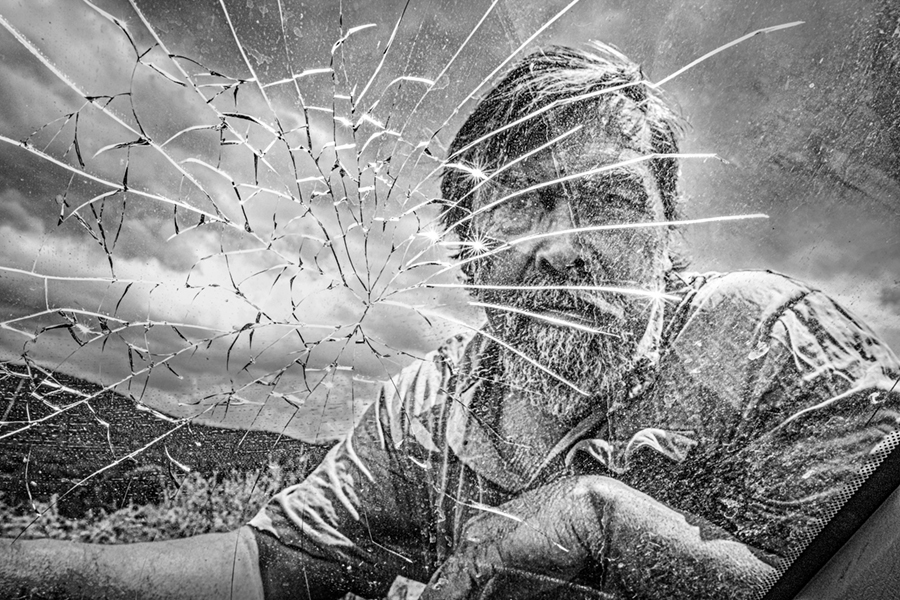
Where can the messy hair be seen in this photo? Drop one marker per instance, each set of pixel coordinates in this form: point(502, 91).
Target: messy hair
point(562, 85)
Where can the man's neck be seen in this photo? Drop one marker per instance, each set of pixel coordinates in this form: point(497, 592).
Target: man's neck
point(527, 432)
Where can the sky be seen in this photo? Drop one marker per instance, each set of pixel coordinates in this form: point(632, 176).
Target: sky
point(238, 267)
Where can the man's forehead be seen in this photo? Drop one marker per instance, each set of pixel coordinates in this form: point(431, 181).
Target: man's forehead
point(597, 160)
point(588, 161)
point(592, 172)
point(590, 142)
point(617, 119)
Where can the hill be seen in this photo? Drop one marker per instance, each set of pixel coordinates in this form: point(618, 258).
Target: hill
point(51, 439)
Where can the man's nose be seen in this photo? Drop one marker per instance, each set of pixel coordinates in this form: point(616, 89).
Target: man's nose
point(559, 256)
point(558, 253)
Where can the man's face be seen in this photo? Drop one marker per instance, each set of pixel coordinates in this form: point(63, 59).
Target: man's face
point(623, 195)
point(544, 254)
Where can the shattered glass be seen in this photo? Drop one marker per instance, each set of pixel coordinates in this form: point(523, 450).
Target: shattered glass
point(225, 212)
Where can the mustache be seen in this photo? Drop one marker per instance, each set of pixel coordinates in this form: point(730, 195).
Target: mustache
point(588, 302)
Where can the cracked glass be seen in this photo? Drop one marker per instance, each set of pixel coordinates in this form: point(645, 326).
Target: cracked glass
point(228, 216)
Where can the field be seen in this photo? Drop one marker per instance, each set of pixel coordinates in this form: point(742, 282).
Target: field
point(198, 479)
point(201, 504)
point(94, 472)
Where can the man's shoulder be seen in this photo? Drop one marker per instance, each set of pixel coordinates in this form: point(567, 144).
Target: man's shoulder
point(743, 303)
point(447, 356)
point(424, 383)
point(728, 326)
point(762, 288)
point(453, 349)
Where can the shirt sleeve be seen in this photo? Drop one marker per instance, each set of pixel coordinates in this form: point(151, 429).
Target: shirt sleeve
point(822, 411)
point(790, 398)
point(367, 507)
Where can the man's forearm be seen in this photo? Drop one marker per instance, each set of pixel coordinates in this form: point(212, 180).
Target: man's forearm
point(594, 537)
point(210, 566)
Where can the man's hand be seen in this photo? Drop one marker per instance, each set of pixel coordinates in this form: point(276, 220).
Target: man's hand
point(594, 537)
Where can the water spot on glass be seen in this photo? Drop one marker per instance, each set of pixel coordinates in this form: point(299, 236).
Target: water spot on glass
point(762, 348)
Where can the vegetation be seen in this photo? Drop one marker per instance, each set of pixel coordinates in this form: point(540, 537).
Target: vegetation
point(201, 504)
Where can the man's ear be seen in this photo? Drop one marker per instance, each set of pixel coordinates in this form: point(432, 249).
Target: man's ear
point(667, 261)
point(676, 256)
point(467, 275)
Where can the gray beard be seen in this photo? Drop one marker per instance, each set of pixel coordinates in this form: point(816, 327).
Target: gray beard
point(594, 363)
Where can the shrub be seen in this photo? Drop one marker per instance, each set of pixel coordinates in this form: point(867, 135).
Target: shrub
point(211, 503)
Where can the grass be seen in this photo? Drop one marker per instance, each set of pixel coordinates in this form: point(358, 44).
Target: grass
point(216, 503)
point(219, 502)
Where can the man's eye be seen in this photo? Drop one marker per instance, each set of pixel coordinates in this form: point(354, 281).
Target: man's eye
point(620, 200)
point(547, 199)
point(516, 214)
point(519, 204)
point(612, 208)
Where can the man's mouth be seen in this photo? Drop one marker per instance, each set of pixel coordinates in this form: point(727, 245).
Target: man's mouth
point(599, 304)
point(563, 317)
point(585, 309)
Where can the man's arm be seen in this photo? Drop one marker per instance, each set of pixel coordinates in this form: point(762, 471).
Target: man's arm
point(594, 537)
point(366, 514)
point(213, 566)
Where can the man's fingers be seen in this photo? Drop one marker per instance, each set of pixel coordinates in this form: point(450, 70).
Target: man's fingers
point(458, 579)
point(463, 580)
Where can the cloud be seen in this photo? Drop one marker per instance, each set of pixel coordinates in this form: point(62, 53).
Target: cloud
point(15, 215)
point(292, 264)
point(890, 297)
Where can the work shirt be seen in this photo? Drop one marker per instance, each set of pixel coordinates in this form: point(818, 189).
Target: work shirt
point(760, 407)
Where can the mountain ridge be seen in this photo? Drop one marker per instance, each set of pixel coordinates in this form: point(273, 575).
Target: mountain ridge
point(52, 439)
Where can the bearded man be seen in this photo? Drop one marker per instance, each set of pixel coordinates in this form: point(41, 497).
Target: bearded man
point(617, 429)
